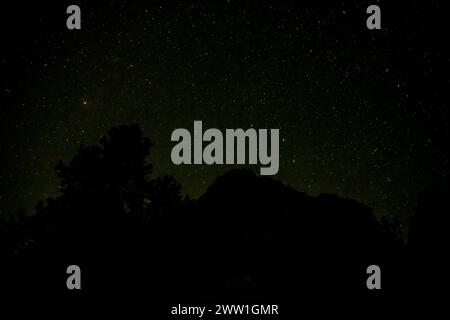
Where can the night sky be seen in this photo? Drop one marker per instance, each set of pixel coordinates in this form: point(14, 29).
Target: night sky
point(362, 113)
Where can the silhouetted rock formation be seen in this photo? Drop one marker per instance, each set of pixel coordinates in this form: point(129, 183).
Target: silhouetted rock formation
point(269, 239)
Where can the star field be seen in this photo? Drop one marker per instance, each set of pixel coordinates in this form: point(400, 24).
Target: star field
point(362, 113)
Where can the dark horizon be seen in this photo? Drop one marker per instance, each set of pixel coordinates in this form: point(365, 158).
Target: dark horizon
point(251, 236)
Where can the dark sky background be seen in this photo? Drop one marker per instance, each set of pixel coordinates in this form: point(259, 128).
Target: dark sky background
point(362, 113)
